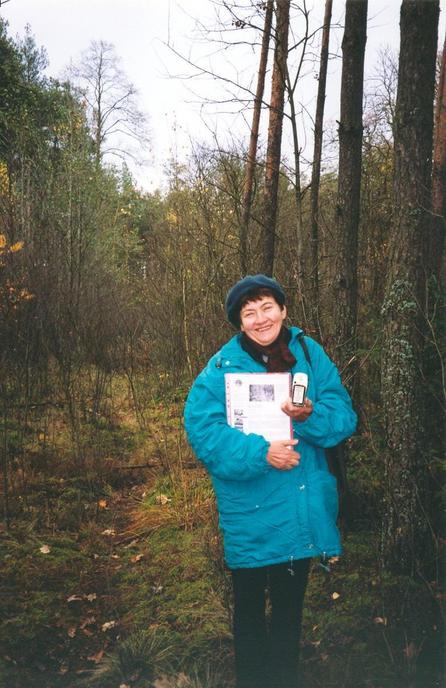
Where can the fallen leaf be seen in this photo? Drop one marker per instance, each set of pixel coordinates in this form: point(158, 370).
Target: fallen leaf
point(45, 549)
point(74, 598)
point(16, 247)
point(108, 531)
point(131, 544)
point(380, 620)
point(102, 504)
point(72, 631)
point(136, 558)
point(162, 682)
point(97, 657)
point(108, 625)
point(91, 596)
point(162, 499)
point(335, 596)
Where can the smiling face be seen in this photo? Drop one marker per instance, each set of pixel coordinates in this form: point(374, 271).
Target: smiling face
point(261, 319)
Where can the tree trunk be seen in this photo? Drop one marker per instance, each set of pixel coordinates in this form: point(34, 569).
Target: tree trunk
point(345, 249)
point(296, 250)
point(405, 528)
point(316, 169)
point(297, 239)
point(272, 166)
point(252, 152)
point(435, 350)
point(439, 176)
point(5, 463)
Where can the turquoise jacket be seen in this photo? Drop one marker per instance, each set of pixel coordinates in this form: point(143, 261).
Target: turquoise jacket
point(268, 516)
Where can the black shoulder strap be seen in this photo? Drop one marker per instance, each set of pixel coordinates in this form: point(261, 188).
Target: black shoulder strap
point(303, 343)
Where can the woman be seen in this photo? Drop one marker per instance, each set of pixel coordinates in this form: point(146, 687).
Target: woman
point(277, 501)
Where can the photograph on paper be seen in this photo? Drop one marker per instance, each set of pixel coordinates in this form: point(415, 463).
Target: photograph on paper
point(261, 392)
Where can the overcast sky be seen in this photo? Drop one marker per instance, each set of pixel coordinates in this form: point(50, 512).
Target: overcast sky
point(142, 30)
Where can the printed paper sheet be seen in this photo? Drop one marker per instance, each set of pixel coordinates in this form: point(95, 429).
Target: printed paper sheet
point(253, 403)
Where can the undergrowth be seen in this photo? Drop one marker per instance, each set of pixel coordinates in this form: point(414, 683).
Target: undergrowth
point(114, 576)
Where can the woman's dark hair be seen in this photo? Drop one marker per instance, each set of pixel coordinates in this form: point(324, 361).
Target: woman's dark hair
point(256, 294)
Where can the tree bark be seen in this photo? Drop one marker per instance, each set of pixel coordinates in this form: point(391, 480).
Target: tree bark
point(296, 251)
point(345, 284)
point(405, 528)
point(316, 169)
point(297, 185)
point(272, 166)
point(439, 176)
point(252, 152)
point(435, 349)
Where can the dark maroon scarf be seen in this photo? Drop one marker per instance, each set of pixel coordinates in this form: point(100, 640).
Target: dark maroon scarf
point(279, 358)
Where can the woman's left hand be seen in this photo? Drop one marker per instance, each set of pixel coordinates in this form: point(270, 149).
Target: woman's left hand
point(297, 413)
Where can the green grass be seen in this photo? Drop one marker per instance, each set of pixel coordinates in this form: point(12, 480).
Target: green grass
point(131, 583)
point(367, 629)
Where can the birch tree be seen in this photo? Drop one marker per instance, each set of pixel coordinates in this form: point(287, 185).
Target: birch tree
point(111, 102)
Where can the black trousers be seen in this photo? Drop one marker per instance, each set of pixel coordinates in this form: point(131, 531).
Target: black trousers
point(266, 655)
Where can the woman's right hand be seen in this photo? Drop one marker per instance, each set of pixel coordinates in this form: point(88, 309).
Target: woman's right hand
point(281, 454)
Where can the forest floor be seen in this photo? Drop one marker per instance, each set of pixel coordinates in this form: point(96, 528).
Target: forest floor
point(112, 576)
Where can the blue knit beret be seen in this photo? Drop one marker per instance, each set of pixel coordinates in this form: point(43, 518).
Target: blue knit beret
point(241, 288)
